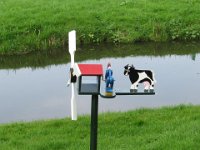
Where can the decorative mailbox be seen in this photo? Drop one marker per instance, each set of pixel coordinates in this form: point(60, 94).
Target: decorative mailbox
point(89, 78)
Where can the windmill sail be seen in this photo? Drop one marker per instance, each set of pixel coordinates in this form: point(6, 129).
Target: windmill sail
point(72, 49)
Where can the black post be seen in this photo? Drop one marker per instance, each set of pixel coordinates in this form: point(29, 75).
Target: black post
point(94, 122)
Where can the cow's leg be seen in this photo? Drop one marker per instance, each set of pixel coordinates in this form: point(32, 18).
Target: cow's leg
point(134, 86)
point(152, 85)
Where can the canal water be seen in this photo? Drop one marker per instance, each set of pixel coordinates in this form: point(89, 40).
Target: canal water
point(32, 88)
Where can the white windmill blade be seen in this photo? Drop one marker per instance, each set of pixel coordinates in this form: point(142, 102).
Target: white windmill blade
point(72, 45)
point(73, 104)
point(72, 49)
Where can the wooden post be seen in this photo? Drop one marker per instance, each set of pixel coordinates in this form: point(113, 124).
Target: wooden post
point(94, 122)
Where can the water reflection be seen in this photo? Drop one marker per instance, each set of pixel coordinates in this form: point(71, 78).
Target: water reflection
point(57, 57)
point(31, 93)
point(28, 94)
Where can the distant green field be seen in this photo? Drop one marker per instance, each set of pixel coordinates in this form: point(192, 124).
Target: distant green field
point(27, 25)
point(167, 128)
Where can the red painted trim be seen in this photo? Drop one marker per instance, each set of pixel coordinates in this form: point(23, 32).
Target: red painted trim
point(91, 69)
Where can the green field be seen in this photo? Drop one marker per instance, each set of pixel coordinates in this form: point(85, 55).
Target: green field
point(27, 25)
point(167, 128)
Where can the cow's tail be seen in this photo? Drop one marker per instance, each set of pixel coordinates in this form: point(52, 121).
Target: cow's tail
point(153, 76)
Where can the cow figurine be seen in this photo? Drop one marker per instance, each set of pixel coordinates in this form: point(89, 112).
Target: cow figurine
point(139, 76)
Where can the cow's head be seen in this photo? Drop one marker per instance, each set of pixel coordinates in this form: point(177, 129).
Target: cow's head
point(127, 69)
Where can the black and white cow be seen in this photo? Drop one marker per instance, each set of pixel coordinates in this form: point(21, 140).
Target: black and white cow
point(139, 76)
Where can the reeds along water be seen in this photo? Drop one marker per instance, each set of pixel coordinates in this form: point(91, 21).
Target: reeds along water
point(61, 56)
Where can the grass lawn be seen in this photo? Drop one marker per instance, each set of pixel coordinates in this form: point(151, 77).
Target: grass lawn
point(167, 128)
point(27, 25)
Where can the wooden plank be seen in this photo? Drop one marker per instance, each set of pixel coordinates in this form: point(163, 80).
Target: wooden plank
point(151, 92)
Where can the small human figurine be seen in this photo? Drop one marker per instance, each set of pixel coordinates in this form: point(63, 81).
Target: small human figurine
point(109, 78)
point(72, 77)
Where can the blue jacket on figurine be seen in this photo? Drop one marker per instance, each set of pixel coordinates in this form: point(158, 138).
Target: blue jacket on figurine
point(109, 78)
